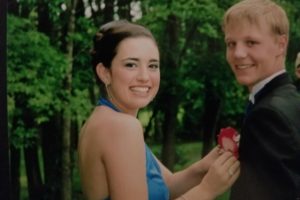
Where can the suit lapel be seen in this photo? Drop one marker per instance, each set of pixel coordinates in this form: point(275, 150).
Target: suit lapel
point(278, 81)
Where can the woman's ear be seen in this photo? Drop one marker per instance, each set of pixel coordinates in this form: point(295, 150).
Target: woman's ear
point(103, 73)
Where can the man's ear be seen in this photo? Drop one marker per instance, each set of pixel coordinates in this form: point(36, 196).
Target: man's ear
point(103, 73)
point(282, 44)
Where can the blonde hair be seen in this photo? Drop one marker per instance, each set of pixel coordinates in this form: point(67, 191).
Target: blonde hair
point(254, 10)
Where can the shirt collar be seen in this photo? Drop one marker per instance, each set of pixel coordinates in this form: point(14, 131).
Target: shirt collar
point(258, 86)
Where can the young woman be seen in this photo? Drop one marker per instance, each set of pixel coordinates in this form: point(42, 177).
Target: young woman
point(114, 161)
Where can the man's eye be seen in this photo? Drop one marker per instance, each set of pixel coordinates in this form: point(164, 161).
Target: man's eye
point(251, 43)
point(230, 44)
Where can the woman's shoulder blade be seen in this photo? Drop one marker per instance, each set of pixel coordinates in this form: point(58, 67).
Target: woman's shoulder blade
point(105, 123)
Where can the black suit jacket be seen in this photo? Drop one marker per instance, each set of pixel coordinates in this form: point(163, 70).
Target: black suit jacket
point(270, 145)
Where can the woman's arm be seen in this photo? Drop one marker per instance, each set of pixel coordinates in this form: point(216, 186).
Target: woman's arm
point(185, 180)
point(219, 178)
point(180, 182)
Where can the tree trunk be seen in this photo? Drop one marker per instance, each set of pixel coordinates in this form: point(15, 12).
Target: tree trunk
point(66, 124)
point(12, 7)
point(212, 108)
point(108, 12)
point(124, 9)
point(15, 172)
point(34, 179)
point(45, 25)
point(170, 98)
point(66, 155)
point(51, 150)
point(80, 9)
point(170, 122)
point(4, 142)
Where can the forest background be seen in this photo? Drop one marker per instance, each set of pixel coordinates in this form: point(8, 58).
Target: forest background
point(51, 88)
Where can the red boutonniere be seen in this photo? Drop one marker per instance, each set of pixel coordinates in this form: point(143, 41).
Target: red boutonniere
point(228, 139)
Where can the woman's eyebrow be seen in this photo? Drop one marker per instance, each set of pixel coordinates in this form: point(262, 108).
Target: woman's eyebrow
point(130, 58)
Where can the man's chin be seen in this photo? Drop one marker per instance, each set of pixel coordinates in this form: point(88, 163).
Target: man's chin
point(244, 82)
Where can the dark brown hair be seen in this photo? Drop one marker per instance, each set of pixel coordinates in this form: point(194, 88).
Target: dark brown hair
point(108, 38)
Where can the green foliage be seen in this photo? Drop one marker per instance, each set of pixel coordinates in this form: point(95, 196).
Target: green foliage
point(83, 77)
point(23, 137)
point(292, 7)
point(82, 68)
point(37, 68)
point(200, 57)
point(35, 72)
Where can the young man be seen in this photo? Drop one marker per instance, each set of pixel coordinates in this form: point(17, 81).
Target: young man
point(256, 35)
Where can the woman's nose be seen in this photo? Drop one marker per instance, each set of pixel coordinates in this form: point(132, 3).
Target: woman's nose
point(143, 74)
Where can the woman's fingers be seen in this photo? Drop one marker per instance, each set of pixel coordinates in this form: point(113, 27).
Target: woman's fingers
point(227, 165)
point(224, 158)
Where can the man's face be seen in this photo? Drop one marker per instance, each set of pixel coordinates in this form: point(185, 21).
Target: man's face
point(253, 52)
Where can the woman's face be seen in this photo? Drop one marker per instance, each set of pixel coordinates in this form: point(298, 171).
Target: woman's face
point(134, 74)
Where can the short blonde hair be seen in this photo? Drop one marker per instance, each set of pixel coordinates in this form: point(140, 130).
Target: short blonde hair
point(253, 10)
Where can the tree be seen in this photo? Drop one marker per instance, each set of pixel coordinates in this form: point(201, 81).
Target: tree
point(51, 88)
point(33, 61)
point(4, 143)
point(66, 124)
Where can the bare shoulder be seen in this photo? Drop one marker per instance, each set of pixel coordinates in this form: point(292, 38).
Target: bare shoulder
point(122, 131)
point(106, 127)
point(106, 142)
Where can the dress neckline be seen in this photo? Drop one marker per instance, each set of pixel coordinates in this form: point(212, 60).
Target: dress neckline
point(105, 102)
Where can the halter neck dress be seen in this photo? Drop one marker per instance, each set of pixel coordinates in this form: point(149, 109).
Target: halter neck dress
point(157, 189)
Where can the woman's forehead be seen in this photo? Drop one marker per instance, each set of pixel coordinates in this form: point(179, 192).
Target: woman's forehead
point(138, 46)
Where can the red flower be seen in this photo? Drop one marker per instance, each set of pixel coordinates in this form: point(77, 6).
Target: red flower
point(228, 139)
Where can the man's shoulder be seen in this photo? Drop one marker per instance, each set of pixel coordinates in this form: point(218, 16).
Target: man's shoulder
point(284, 96)
point(284, 100)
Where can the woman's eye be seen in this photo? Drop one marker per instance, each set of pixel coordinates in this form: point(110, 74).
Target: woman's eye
point(154, 66)
point(130, 65)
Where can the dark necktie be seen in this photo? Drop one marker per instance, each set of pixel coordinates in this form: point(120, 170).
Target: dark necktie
point(248, 107)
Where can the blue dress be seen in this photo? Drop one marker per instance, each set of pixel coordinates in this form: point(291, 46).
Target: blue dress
point(157, 189)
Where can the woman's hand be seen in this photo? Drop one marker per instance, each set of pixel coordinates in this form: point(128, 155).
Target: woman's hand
point(221, 175)
point(210, 158)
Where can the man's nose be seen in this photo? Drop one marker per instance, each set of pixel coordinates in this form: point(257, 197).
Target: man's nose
point(240, 51)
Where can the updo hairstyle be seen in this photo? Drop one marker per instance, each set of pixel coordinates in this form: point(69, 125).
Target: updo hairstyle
point(109, 36)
